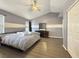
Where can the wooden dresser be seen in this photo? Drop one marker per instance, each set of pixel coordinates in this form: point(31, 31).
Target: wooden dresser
point(44, 34)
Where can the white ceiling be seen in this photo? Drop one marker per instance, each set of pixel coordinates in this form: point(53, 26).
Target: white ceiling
point(19, 7)
point(57, 5)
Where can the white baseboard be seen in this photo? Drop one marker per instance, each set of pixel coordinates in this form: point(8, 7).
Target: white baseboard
point(64, 47)
point(68, 51)
point(55, 37)
point(72, 54)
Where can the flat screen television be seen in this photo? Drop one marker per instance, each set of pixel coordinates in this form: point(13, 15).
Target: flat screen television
point(42, 26)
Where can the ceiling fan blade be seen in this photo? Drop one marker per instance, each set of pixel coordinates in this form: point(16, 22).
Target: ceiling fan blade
point(34, 2)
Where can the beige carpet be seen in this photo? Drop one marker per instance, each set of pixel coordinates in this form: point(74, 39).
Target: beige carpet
point(45, 48)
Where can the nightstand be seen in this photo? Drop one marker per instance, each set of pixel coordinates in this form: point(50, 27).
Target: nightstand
point(44, 34)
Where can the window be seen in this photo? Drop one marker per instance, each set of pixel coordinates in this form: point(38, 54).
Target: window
point(2, 20)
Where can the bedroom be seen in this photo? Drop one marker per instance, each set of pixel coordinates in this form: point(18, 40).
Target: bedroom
point(33, 29)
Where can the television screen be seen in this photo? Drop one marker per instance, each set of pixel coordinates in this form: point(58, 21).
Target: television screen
point(42, 26)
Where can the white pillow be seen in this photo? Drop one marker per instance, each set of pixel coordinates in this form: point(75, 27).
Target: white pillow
point(26, 33)
point(20, 33)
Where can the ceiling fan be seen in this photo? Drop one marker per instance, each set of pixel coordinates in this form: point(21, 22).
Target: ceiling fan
point(34, 6)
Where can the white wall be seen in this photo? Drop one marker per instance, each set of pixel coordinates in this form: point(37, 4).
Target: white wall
point(13, 22)
point(65, 27)
point(65, 21)
point(54, 24)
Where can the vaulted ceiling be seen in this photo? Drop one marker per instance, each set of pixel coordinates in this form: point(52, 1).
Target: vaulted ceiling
point(20, 8)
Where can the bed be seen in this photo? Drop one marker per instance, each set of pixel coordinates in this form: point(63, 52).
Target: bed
point(21, 40)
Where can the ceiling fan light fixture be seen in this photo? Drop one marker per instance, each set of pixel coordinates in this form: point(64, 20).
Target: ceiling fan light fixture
point(35, 6)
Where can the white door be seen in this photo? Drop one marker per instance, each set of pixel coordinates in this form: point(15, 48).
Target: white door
point(2, 28)
point(73, 31)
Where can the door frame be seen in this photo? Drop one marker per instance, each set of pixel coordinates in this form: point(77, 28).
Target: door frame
point(77, 1)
